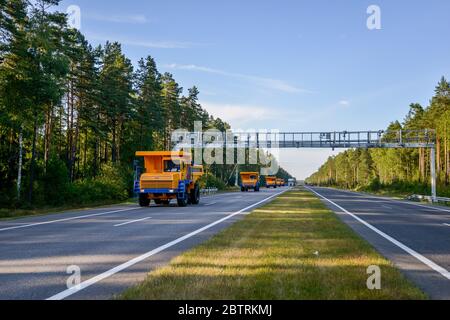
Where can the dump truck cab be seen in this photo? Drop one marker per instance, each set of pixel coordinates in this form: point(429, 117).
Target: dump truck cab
point(169, 176)
point(250, 181)
point(271, 182)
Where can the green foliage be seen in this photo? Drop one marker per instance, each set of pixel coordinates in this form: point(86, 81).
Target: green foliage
point(56, 182)
point(83, 112)
point(211, 181)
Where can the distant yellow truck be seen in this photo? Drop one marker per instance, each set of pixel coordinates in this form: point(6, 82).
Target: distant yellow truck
point(271, 182)
point(280, 182)
point(168, 176)
point(250, 181)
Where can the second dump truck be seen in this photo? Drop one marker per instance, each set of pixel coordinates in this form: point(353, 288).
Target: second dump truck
point(169, 176)
point(250, 181)
point(271, 182)
point(280, 182)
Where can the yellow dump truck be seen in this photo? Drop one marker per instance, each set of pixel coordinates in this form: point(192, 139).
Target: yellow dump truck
point(271, 182)
point(250, 181)
point(168, 176)
point(280, 182)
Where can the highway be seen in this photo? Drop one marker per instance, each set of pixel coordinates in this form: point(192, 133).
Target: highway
point(112, 248)
point(115, 247)
point(415, 237)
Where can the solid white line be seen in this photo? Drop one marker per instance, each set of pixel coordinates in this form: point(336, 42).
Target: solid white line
point(210, 204)
point(413, 253)
point(130, 222)
point(69, 292)
point(66, 219)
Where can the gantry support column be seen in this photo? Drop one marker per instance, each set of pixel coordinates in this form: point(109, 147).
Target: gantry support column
point(433, 174)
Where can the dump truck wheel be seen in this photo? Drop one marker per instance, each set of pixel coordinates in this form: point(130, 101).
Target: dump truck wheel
point(182, 202)
point(144, 201)
point(195, 195)
point(242, 189)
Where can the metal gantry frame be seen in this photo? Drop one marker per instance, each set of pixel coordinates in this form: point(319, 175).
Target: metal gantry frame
point(397, 139)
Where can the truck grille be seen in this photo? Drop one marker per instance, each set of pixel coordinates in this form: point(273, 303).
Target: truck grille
point(156, 185)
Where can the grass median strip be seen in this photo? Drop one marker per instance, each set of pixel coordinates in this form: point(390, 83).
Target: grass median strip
point(292, 248)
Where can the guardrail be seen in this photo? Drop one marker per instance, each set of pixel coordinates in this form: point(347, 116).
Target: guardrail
point(209, 191)
point(418, 197)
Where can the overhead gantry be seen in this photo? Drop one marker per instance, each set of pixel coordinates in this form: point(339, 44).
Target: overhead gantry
point(398, 139)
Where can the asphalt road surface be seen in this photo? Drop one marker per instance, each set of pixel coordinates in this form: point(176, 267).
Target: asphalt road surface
point(415, 237)
point(111, 248)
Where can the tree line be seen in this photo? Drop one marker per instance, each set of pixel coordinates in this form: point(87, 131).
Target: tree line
point(405, 170)
point(72, 115)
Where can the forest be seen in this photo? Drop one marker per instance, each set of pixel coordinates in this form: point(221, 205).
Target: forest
point(397, 170)
point(73, 115)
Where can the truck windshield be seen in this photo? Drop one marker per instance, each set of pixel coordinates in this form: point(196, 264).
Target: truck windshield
point(253, 177)
point(170, 166)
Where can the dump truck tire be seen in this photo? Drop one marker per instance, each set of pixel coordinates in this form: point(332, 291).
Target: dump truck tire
point(144, 201)
point(195, 195)
point(182, 202)
point(242, 189)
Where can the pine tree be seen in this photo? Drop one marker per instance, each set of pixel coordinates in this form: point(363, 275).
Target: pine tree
point(171, 107)
point(150, 113)
point(116, 95)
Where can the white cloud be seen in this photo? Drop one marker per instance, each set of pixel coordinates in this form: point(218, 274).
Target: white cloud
point(159, 44)
point(239, 116)
point(132, 19)
point(302, 163)
point(143, 43)
point(344, 103)
point(268, 83)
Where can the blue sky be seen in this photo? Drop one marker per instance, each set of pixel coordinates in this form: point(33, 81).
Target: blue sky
point(288, 65)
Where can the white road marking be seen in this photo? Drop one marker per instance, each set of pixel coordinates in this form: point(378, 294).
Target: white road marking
point(130, 222)
point(69, 292)
point(387, 207)
point(66, 219)
point(413, 253)
point(447, 224)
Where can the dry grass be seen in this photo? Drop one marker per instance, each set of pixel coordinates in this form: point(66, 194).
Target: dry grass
point(270, 254)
